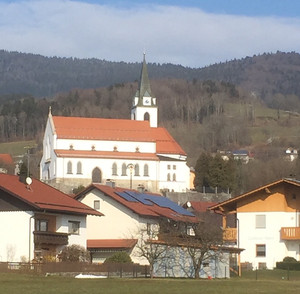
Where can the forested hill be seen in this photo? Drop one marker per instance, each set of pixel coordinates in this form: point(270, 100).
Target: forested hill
point(266, 75)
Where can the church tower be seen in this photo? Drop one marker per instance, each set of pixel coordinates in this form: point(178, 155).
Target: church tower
point(144, 104)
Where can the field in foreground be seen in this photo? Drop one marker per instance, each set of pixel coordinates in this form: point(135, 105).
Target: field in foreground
point(17, 283)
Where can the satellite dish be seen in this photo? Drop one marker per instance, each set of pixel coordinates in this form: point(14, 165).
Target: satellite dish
point(28, 181)
point(188, 204)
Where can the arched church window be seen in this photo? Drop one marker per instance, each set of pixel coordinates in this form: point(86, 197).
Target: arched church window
point(114, 169)
point(136, 170)
point(146, 116)
point(169, 177)
point(146, 170)
point(124, 169)
point(96, 175)
point(69, 167)
point(79, 167)
point(174, 177)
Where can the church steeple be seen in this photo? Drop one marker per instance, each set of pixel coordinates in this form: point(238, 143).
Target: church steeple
point(144, 104)
point(144, 89)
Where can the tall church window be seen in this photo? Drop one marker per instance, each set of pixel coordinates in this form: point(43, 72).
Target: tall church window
point(168, 177)
point(114, 169)
point(146, 170)
point(96, 175)
point(124, 169)
point(69, 167)
point(79, 168)
point(136, 170)
point(146, 116)
point(174, 177)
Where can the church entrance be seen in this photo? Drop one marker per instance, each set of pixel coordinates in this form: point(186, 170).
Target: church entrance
point(96, 175)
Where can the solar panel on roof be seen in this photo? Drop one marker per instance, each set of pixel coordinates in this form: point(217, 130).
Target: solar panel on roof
point(139, 197)
point(126, 197)
point(167, 203)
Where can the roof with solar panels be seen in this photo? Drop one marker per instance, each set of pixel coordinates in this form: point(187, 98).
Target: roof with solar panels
point(143, 203)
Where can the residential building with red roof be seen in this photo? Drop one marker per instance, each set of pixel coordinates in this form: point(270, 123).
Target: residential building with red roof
point(126, 213)
point(37, 221)
point(130, 152)
point(267, 223)
point(6, 162)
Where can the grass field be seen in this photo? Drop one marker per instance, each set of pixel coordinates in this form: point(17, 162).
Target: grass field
point(266, 283)
point(16, 148)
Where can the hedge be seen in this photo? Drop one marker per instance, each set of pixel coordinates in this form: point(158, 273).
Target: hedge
point(294, 266)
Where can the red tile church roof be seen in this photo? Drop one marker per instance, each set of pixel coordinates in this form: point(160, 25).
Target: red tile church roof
point(43, 197)
point(82, 128)
point(6, 158)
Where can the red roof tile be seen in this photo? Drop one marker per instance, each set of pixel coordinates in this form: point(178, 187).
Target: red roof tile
point(105, 154)
point(201, 206)
point(43, 197)
point(115, 130)
point(6, 158)
point(111, 243)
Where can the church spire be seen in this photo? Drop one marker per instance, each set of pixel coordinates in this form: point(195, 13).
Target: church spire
point(145, 89)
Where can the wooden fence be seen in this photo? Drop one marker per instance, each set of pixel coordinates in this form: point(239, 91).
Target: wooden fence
point(106, 269)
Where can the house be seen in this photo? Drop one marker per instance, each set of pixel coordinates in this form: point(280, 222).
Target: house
point(126, 213)
point(133, 219)
point(37, 221)
point(131, 153)
point(267, 223)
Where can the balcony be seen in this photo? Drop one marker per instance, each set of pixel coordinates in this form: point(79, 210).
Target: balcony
point(290, 233)
point(230, 235)
point(52, 238)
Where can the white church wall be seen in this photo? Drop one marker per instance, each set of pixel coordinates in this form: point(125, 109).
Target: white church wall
point(102, 145)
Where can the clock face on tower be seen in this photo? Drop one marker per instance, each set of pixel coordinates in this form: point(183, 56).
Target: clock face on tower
point(146, 101)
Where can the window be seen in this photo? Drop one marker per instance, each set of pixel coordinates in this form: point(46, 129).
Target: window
point(136, 170)
point(260, 250)
point(169, 166)
point(124, 169)
point(174, 177)
point(146, 170)
point(148, 228)
point(260, 221)
point(97, 204)
point(168, 177)
point(79, 168)
point(114, 169)
point(174, 167)
point(96, 175)
point(41, 225)
point(74, 227)
point(69, 167)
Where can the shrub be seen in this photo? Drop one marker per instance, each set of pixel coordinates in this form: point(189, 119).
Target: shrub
point(74, 253)
point(289, 259)
point(119, 257)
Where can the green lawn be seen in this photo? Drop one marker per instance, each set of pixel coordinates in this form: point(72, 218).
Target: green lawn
point(266, 283)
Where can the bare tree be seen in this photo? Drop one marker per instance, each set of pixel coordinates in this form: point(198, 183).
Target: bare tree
point(147, 246)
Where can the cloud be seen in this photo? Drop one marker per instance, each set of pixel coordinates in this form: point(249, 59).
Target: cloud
point(169, 34)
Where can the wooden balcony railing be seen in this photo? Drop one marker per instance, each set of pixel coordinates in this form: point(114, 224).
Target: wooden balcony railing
point(290, 233)
point(50, 238)
point(230, 235)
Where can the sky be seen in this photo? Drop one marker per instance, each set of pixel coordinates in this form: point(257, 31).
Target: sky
point(192, 33)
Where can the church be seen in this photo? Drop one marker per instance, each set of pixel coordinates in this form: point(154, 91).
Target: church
point(131, 153)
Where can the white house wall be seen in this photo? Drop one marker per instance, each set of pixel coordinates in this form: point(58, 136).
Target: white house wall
point(118, 221)
point(16, 236)
point(276, 249)
point(62, 226)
